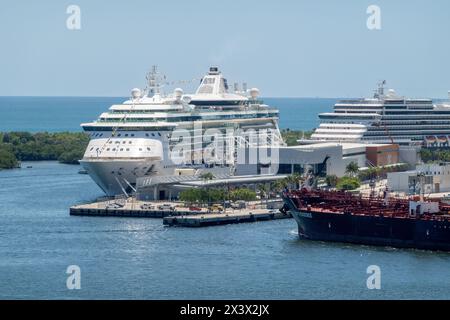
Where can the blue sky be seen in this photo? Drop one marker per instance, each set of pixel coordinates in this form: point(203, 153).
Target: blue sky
point(286, 48)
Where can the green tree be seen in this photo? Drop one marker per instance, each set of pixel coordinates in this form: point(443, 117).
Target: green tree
point(348, 183)
point(7, 160)
point(207, 176)
point(290, 137)
point(352, 169)
point(242, 194)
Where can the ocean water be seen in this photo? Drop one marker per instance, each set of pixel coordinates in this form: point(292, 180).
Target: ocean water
point(141, 259)
point(66, 113)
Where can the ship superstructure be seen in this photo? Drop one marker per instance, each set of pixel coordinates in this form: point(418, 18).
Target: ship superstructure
point(386, 118)
point(140, 136)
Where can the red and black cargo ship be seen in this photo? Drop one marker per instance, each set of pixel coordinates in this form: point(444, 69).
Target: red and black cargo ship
point(345, 217)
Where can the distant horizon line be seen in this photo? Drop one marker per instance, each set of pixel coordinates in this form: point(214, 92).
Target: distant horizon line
point(125, 97)
point(268, 97)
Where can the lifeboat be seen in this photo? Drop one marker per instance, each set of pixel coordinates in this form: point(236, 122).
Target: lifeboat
point(430, 139)
point(442, 139)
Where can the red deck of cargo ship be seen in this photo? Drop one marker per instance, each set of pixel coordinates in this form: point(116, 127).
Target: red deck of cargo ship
point(339, 202)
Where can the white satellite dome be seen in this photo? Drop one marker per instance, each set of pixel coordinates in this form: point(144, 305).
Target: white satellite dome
point(136, 93)
point(254, 93)
point(178, 93)
point(391, 93)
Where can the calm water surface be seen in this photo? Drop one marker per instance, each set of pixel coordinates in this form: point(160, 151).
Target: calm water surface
point(141, 259)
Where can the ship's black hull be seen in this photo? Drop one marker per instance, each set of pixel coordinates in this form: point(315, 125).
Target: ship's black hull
point(373, 230)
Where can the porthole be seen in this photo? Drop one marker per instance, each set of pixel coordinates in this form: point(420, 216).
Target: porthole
point(121, 149)
point(107, 149)
point(146, 134)
point(148, 149)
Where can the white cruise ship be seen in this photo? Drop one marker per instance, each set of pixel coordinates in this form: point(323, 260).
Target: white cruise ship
point(136, 138)
point(386, 118)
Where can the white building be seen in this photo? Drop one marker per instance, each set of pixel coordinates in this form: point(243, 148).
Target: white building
point(435, 179)
point(328, 158)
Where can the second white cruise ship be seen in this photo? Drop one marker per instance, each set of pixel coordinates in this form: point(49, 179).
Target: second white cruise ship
point(136, 138)
point(386, 118)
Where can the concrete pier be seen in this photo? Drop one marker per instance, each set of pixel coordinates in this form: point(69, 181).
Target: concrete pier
point(214, 219)
point(129, 208)
point(175, 213)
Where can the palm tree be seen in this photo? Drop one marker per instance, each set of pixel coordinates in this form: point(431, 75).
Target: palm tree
point(352, 169)
point(262, 191)
point(207, 176)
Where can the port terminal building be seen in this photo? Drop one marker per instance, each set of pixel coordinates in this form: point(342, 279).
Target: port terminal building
point(327, 158)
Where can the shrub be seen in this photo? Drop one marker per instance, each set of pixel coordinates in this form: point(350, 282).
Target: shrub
point(348, 183)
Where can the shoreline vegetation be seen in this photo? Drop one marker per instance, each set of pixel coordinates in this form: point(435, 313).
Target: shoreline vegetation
point(291, 136)
point(65, 147)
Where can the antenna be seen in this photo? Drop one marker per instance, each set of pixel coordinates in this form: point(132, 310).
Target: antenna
point(154, 79)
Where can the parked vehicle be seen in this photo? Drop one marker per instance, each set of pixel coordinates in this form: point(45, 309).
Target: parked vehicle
point(114, 206)
point(216, 207)
point(239, 205)
point(166, 207)
point(147, 206)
